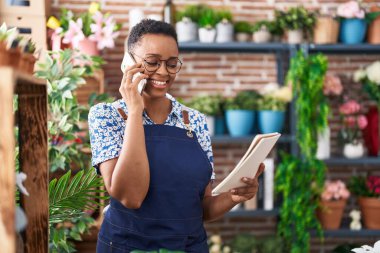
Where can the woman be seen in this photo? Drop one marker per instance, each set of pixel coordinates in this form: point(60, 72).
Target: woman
point(155, 156)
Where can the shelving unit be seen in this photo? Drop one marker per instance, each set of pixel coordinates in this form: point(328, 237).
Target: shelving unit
point(252, 213)
point(32, 122)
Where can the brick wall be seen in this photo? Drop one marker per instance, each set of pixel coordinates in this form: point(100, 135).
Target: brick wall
point(230, 73)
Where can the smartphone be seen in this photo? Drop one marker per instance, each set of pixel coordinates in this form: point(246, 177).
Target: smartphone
point(128, 60)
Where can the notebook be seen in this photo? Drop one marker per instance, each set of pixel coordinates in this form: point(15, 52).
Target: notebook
point(259, 149)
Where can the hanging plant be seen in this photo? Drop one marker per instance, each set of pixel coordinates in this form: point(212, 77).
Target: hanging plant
point(300, 179)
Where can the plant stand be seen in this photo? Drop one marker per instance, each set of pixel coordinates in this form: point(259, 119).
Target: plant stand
point(32, 122)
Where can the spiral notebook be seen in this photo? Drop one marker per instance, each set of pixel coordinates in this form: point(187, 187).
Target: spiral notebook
point(248, 166)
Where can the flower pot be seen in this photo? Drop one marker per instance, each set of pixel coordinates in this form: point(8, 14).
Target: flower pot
point(271, 121)
point(295, 36)
point(220, 127)
point(4, 54)
point(353, 151)
point(330, 213)
point(326, 31)
point(240, 122)
point(352, 30)
point(370, 208)
point(373, 36)
point(14, 57)
point(206, 35)
point(224, 32)
point(323, 148)
point(88, 47)
point(262, 36)
point(243, 37)
point(27, 62)
point(210, 124)
point(186, 30)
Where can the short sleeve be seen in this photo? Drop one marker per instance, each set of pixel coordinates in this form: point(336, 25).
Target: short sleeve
point(106, 134)
point(205, 142)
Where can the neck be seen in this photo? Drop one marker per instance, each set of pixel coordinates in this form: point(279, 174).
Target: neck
point(157, 108)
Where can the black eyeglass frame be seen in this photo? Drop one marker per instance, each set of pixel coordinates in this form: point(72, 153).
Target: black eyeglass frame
point(159, 64)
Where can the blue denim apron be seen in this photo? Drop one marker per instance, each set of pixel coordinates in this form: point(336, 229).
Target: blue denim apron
point(171, 215)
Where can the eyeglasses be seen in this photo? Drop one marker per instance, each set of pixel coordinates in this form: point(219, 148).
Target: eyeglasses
point(153, 63)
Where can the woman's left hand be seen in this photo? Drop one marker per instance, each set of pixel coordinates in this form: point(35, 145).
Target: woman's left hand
point(245, 193)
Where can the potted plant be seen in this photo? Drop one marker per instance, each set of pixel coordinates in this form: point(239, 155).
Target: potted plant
point(240, 113)
point(89, 32)
point(276, 30)
point(27, 59)
point(224, 27)
point(15, 51)
point(350, 133)
point(297, 21)
point(326, 30)
point(5, 35)
point(186, 26)
point(370, 78)
point(368, 192)
point(242, 31)
point(333, 201)
point(373, 36)
point(261, 31)
point(271, 108)
point(353, 26)
point(211, 106)
point(207, 22)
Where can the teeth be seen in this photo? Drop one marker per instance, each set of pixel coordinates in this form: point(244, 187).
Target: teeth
point(158, 82)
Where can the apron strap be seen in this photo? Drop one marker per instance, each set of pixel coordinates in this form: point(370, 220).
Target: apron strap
point(122, 113)
point(186, 121)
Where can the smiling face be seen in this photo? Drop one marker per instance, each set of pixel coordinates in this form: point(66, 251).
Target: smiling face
point(163, 47)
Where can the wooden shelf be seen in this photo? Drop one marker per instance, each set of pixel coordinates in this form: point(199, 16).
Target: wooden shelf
point(33, 145)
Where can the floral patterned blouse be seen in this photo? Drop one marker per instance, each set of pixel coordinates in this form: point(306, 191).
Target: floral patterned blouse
point(106, 127)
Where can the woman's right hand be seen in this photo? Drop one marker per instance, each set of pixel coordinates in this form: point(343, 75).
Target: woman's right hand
point(129, 89)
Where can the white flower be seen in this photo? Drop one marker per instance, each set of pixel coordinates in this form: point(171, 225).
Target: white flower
point(20, 178)
point(226, 249)
point(215, 248)
point(216, 239)
point(359, 75)
point(284, 94)
point(269, 88)
point(368, 249)
point(373, 72)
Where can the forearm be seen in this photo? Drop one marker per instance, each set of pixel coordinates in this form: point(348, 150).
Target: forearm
point(130, 180)
point(215, 207)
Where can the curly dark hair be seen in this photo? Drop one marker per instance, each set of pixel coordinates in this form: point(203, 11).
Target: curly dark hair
point(150, 26)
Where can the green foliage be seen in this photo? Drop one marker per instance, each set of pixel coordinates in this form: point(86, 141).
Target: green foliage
point(275, 28)
point(370, 17)
point(194, 12)
point(249, 243)
point(271, 103)
point(209, 105)
point(263, 24)
point(208, 18)
point(344, 248)
point(5, 32)
point(242, 27)
point(296, 18)
point(244, 100)
point(373, 90)
point(224, 14)
point(69, 197)
point(299, 180)
point(358, 186)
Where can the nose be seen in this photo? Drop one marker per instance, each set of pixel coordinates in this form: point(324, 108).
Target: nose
point(162, 69)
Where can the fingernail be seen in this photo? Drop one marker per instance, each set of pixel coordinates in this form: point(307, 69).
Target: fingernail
point(245, 179)
point(233, 191)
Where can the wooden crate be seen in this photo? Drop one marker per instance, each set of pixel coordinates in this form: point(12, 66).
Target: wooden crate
point(33, 27)
point(33, 153)
point(93, 84)
point(35, 7)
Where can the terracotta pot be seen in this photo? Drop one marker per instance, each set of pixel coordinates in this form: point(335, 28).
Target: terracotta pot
point(373, 35)
point(370, 208)
point(88, 47)
point(326, 31)
point(14, 57)
point(4, 55)
point(330, 213)
point(27, 62)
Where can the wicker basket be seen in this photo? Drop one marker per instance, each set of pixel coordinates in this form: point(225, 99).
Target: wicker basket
point(326, 31)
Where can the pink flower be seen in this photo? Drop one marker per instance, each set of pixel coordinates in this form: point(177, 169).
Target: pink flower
point(332, 85)
point(75, 33)
point(362, 121)
point(350, 10)
point(103, 31)
point(350, 121)
point(350, 107)
point(335, 190)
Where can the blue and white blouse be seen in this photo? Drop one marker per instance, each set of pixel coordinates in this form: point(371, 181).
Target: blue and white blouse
point(106, 127)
